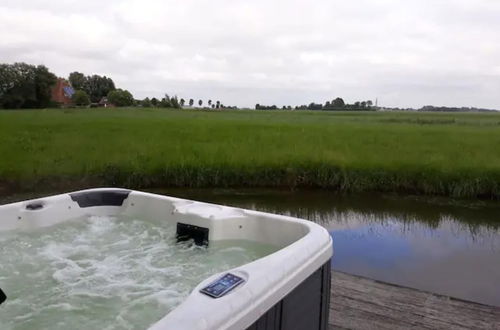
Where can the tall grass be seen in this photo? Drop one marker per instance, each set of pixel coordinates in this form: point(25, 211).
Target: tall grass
point(433, 153)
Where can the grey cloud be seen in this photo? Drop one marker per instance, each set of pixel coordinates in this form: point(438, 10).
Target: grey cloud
point(411, 53)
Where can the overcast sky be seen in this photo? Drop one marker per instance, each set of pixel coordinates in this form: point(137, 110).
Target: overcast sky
point(242, 52)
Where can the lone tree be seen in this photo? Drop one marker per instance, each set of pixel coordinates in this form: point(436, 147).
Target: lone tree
point(217, 104)
point(166, 102)
point(338, 103)
point(121, 98)
point(200, 103)
point(191, 102)
point(78, 81)
point(44, 80)
point(146, 103)
point(183, 102)
point(25, 86)
point(174, 102)
point(81, 98)
point(95, 86)
point(209, 103)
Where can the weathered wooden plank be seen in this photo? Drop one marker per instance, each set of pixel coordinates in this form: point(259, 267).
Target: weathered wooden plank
point(360, 303)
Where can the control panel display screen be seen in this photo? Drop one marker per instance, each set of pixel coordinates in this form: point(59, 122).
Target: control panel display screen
point(222, 286)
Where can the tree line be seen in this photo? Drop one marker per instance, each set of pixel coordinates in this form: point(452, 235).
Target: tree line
point(454, 109)
point(95, 87)
point(336, 104)
point(28, 86)
point(174, 102)
point(25, 86)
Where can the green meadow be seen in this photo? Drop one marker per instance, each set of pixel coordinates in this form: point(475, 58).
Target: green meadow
point(451, 154)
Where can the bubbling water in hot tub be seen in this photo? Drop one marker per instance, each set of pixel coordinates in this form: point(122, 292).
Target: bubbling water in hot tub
point(105, 273)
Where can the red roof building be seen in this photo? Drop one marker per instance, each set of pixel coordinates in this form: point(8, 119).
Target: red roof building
point(62, 92)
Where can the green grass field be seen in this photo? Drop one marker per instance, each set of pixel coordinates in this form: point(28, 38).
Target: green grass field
point(430, 153)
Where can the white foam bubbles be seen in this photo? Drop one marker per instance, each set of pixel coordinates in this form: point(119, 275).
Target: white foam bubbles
point(105, 273)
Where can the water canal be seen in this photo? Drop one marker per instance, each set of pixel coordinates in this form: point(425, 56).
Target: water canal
point(440, 245)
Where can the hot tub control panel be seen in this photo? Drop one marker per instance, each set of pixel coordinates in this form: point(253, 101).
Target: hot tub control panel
point(222, 286)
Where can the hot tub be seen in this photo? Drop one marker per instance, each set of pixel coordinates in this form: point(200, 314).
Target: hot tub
point(286, 289)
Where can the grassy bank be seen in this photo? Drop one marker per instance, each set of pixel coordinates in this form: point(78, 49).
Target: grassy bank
point(433, 153)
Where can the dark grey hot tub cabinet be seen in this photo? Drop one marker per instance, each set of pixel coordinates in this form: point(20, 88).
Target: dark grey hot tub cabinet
point(305, 308)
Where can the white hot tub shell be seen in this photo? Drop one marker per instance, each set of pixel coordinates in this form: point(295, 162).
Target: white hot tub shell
point(288, 289)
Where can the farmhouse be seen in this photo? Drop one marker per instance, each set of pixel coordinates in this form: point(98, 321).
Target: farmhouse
point(104, 102)
point(62, 92)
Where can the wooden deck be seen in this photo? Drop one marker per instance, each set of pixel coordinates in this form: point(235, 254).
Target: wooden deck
point(360, 303)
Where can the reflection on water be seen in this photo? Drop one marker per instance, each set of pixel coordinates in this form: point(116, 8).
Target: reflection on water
point(438, 245)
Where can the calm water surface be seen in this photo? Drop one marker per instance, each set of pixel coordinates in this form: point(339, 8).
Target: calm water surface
point(438, 245)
